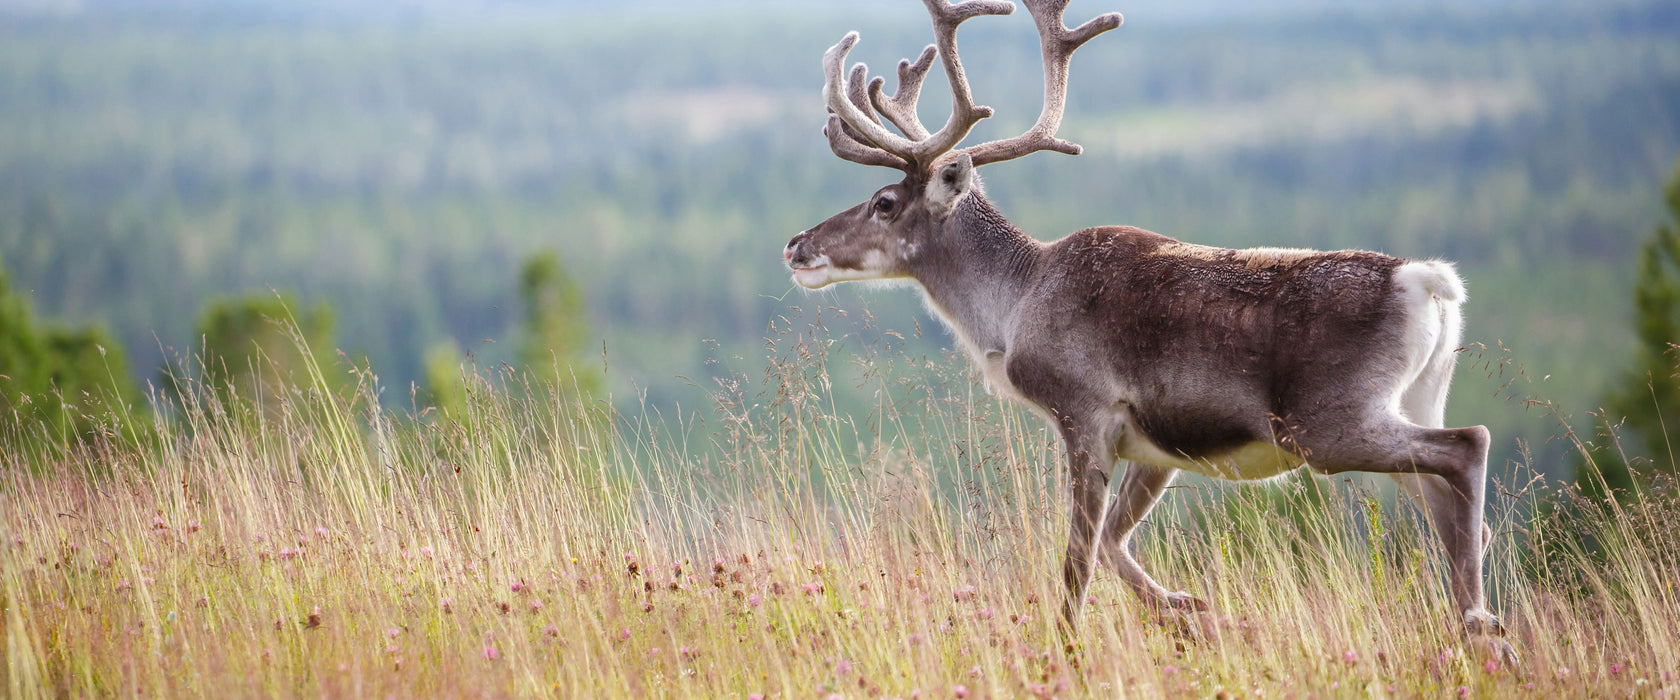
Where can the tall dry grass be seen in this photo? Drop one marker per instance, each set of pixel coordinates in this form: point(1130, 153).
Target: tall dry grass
point(537, 544)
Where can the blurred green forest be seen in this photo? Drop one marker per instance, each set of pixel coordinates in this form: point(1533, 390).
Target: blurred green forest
point(399, 164)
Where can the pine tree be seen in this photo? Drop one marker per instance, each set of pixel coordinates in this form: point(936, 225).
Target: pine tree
point(1648, 396)
point(556, 333)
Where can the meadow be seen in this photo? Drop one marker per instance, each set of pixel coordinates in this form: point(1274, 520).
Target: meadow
point(312, 541)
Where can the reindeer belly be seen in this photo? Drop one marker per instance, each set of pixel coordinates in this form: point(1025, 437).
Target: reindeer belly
point(1248, 462)
point(1205, 440)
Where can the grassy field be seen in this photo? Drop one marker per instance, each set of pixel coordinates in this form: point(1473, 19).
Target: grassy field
point(309, 544)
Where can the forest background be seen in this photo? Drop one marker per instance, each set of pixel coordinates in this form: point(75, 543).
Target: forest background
point(396, 171)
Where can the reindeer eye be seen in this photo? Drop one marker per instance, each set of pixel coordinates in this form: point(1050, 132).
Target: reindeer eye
point(884, 204)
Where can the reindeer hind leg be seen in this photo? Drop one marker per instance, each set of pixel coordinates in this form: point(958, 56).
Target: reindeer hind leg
point(1448, 469)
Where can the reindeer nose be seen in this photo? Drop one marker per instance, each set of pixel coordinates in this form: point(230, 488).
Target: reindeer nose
point(787, 252)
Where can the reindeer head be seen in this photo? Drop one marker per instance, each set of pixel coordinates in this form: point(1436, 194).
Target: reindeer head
point(882, 237)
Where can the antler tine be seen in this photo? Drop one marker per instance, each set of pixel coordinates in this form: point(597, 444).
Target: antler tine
point(845, 145)
point(900, 109)
point(1058, 44)
point(857, 92)
point(869, 131)
point(964, 113)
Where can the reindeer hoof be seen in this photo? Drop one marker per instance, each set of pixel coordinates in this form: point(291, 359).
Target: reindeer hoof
point(1188, 603)
point(1480, 623)
point(1487, 636)
point(1498, 651)
point(1187, 617)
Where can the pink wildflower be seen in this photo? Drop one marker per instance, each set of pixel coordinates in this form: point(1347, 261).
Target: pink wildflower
point(959, 691)
point(754, 600)
point(624, 633)
point(1169, 671)
point(491, 653)
point(448, 607)
point(1350, 657)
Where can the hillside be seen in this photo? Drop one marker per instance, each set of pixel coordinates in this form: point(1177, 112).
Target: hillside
point(399, 165)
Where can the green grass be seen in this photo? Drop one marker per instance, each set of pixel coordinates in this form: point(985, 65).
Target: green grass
point(537, 544)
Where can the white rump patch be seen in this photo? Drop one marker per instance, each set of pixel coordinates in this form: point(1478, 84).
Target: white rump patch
point(1431, 294)
point(1437, 277)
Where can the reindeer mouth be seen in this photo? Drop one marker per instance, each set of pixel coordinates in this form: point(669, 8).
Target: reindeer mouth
point(812, 273)
point(812, 277)
point(807, 265)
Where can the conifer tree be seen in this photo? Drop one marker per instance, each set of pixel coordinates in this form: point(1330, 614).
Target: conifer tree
point(1647, 397)
point(556, 332)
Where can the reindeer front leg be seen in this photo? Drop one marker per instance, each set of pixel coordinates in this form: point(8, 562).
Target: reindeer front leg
point(1090, 498)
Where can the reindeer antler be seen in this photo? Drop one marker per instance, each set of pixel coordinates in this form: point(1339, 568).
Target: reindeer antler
point(1058, 44)
point(917, 149)
point(900, 109)
point(856, 134)
point(845, 141)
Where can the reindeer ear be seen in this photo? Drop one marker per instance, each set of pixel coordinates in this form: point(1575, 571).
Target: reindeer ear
point(951, 182)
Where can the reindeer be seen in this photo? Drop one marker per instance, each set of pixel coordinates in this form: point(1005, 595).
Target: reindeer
point(1170, 356)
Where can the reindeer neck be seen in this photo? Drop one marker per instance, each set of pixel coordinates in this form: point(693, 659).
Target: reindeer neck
point(978, 273)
